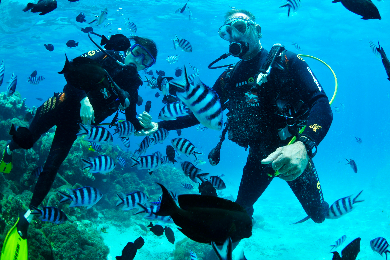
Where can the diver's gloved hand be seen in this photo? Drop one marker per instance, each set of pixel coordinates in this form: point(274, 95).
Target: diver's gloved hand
point(146, 121)
point(87, 113)
point(290, 160)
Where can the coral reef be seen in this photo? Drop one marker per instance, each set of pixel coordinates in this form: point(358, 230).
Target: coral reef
point(80, 237)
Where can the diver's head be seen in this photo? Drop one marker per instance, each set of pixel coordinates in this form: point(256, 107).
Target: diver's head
point(243, 33)
point(142, 53)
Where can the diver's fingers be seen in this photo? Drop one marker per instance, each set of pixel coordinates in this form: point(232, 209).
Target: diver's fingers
point(272, 156)
point(146, 115)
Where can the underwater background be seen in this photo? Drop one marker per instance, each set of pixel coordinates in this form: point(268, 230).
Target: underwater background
point(320, 28)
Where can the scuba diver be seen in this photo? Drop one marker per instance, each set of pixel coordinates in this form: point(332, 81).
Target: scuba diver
point(76, 105)
point(270, 96)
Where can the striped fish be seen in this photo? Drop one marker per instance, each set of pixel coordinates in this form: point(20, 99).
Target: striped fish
point(144, 145)
point(192, 77)
point(94, 147)
point(172, 59)
point(37, 171)
point(2, 70)
point(165, 160)
point(338, 242)
point(124, 129)
point(100, 164)
point(292, 5)
point(121, 161)
point(187, 186)
point(85, 196)
point(51, 214)
point(342, 206)
point(201, 100)
point(191, 171)
point(151, 214)
point(173, 110)
point(35, 80)
point(380, 245)
point(159, 136)
point(182, 43)
point(193, 256)
point(126, 142)
point(217, 182)
point(12, 85)
point(131, 200)
point(132, 27)
point(148, 162)
point(96, 134)
point(152, 82)
point(296, 45)
point(184, 146)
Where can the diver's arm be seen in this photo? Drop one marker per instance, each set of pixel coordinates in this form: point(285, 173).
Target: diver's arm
point(311, 92)
point(131, 110)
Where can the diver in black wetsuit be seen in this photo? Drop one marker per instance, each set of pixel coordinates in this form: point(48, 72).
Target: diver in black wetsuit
point(265, 116)
point(73, 106)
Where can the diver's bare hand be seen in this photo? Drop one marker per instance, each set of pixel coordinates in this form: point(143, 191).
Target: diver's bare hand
point(290, 160)
point(87, 113)
point(146, 121)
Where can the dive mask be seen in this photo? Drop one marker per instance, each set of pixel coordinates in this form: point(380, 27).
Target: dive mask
point(236, 26)
point(140, 51)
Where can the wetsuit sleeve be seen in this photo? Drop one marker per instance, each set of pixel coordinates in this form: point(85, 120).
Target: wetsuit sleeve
point(312, 94)
point(74, 93)
point(131, 111)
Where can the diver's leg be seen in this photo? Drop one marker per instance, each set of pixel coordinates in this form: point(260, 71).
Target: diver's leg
point(308, 190)
point(46, 117)
point(62, 142)
point(254, 180)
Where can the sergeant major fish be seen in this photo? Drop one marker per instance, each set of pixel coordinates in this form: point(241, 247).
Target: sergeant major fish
point(124, 129)
point(100, 164)
point(291, 5)
point(353, 165)
point(201, 100)
point(159, 136)
point(338, 242)
point(184, 146)
point(193, 172)
point(148, 162)
point(131, 200)
point(12, 85)
point(380, 245)
point(144, 145)
point(385, 60)
point(173, 110)
point(96, 134)
point(50, 214)
point(85, 196)
point(182, 43)
point(2, 69)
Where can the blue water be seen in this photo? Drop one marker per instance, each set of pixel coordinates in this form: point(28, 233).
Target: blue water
point(321, 28)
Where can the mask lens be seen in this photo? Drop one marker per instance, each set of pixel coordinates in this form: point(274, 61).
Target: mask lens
point(240, 26)
point(147, 58)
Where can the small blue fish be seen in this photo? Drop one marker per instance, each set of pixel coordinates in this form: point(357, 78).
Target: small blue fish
point(126, 141)
point(121, 161)
point(37, 171)
point(132, 27)
point(172, 59)
point(291, 5)
point(193, 255)
point(182, 43)
point(338, 242)
point(12, 85)
point(380, 245)
point(2, 69)
point(94, 147)
point(187, 186)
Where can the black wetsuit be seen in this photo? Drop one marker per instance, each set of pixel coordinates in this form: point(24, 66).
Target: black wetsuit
point(63, 110)
point(259, 115)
